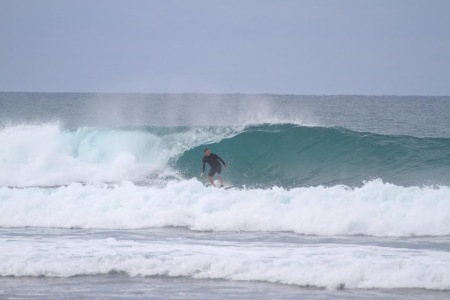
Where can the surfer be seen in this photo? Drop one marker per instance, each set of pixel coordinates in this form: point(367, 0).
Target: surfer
point(213, 161)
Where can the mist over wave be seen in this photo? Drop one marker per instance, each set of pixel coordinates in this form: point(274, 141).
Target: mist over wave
point(47, 155)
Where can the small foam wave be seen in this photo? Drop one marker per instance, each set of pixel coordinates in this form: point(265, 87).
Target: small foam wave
point(330, 266)
point(375, 209)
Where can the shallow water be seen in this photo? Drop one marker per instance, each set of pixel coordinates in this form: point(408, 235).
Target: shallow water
point(174, 263)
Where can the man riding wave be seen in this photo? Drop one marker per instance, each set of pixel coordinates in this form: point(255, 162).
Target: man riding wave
point(213, 160)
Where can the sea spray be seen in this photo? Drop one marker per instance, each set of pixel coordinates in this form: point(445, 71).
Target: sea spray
point(48, 154)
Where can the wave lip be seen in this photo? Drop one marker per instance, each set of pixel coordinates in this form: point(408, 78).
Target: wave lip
point(375, 209)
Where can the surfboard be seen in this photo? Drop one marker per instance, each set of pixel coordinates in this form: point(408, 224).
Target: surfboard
point(226, 187)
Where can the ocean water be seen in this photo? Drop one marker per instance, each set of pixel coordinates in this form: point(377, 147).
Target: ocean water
point(333, 197)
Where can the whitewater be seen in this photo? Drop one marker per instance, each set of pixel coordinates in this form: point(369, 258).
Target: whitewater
point(341, 196)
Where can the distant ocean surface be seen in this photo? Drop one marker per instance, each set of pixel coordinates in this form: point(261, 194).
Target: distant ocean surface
point(333, 196)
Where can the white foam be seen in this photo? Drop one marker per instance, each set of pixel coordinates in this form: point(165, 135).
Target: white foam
point(32, 155)
point(326, 265)
point(376, 209)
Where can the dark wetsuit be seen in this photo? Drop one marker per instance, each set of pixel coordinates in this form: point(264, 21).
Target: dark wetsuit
point(213, 161)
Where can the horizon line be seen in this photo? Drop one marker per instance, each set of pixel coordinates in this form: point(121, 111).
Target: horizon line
point(224, 94)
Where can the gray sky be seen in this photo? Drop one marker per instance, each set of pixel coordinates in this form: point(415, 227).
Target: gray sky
point(379, 47)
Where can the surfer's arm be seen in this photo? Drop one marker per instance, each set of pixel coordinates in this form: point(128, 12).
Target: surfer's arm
point(203, 169)
point(221, 160)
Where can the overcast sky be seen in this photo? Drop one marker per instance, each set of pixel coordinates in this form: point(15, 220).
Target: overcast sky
point(320, 47)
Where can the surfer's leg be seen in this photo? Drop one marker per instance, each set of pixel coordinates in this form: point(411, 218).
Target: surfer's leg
point(211, 180)
point(211, 173)
point(219, 171)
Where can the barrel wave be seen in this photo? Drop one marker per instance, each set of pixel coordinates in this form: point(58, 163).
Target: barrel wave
point(259, 156)
point(289, 155)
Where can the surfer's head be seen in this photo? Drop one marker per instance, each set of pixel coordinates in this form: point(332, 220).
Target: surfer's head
point(207, 152)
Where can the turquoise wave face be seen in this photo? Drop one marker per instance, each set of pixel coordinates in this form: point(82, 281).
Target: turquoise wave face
point(289, 156)
point(259, 156)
